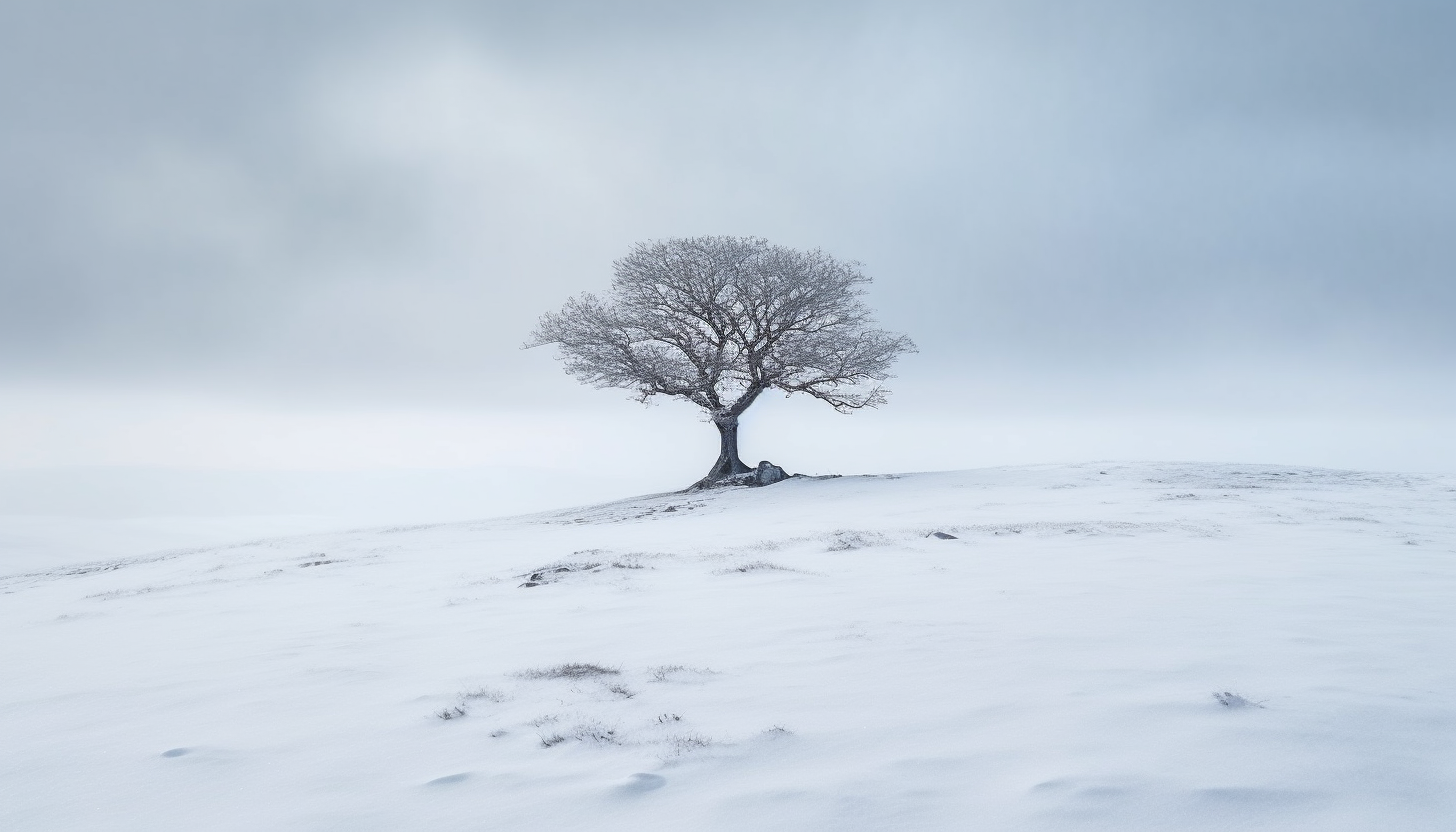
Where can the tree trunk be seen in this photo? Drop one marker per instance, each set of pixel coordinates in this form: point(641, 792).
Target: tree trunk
point(728, 462)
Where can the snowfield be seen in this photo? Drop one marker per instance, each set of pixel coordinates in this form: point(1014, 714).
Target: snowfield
point(1114, 646)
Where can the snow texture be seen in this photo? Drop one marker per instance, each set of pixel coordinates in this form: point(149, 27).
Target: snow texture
point(1111, 647)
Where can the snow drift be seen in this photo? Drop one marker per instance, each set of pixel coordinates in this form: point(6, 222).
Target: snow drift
point(1110, 646)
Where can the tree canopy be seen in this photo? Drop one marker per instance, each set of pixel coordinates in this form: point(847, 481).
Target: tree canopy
point(719, 320)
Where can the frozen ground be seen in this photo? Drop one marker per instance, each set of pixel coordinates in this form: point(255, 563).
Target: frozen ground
point(804, 656)
point(34, 543)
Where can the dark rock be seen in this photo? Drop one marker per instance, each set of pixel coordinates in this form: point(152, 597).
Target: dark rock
point(943, 536)
point(768, 473)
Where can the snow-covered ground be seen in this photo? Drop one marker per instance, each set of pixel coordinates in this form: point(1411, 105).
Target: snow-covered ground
point(33, 543)
point(805, 656)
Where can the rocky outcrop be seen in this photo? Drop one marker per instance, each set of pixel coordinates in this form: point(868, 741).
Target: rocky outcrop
point(766, 473)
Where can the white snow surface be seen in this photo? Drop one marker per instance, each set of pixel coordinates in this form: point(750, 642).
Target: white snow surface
point(1101, 646)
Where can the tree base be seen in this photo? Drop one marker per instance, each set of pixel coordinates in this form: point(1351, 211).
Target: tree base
point(766, 473)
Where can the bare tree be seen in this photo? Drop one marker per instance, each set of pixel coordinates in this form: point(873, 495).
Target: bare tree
point(719, 320)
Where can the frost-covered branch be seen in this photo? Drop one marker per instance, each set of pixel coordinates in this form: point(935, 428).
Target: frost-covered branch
point(719, 320)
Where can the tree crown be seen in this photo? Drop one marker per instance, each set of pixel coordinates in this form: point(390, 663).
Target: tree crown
point(719, 320)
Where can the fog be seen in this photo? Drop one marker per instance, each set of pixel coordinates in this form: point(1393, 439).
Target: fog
point(265, 258)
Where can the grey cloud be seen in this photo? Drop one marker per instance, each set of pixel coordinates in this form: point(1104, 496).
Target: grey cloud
point(279, 195)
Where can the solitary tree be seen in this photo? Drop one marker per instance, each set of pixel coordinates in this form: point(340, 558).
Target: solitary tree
point(719, 320)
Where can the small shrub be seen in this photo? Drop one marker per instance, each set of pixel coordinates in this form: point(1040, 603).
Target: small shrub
point(569, 671)
point(622, 691)
point(597, 733)
point(451, 713)
point(687, 743)
point(665, 673)
point(586, 732)
point(661, 674)
point(754, 566)
point(846, 541)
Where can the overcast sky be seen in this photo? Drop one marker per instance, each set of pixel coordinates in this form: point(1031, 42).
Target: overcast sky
point(271, 235)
